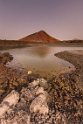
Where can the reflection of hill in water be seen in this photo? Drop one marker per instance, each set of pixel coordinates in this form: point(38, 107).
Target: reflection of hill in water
point(41, 51)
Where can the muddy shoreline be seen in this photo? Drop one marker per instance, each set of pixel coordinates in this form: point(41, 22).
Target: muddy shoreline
point(76, 58)
point(37, 100)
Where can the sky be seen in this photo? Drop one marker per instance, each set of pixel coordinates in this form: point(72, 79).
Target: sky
point(63, 19)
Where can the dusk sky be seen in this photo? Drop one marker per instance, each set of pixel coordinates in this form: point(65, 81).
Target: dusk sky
point(62, 19)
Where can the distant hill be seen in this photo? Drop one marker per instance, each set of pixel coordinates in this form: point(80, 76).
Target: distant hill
point(40, 36)
point(74, 41)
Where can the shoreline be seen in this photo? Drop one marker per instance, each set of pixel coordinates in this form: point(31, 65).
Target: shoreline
point(75, 58)
point(12, 45)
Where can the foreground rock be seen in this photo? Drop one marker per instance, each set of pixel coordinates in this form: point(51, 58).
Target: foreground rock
point(61, 102)
point(39, 104)
point(9, 101)
point(33, 99)
point(38, 96)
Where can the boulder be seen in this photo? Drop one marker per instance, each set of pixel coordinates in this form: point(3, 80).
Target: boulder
point(40, 81)
point(34, 84)
point(43, 83)
point(26, 94)
point(39, 104)
point(9, 101)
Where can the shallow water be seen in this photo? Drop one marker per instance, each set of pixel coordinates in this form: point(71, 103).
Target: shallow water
point(41, 59)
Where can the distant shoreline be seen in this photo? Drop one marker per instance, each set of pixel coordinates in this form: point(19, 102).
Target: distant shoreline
point(11, 44)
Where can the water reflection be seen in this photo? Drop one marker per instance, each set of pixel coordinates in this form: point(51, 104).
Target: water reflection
point(41, 51)
point(41, 59)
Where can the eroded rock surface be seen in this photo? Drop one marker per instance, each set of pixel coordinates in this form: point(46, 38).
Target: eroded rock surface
point(9, 101)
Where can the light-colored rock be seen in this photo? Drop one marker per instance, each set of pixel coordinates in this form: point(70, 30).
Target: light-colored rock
point(10, 100)
point(26, 93)
point(39, 104)
point(40, 90)
point(34, 90)
point(45, 93)
point(39, 82)
point(34, 84)
point(3, 121)
point(29, 72)
point(43, 83)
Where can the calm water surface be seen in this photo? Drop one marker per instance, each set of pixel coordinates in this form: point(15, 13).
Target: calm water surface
point(41, 59)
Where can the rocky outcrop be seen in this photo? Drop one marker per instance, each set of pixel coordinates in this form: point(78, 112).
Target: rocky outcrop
point(33, 99)
point(38, 96)
point(9, 101)
point(5, 58)
point(39, 104)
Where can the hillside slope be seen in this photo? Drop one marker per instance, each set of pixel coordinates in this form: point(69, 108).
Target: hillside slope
point(40, 36)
